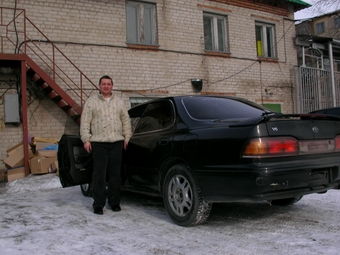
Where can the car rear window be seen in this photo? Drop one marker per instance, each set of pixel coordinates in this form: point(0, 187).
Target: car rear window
point(335, 111)
point(331, 111)
point(217, 108)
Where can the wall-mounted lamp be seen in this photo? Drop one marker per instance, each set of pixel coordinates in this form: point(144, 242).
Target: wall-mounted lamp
point(197, 84)
point(268, 92)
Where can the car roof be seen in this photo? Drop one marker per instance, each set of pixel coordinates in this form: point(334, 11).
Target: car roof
point(178, 98)
point(181, 108)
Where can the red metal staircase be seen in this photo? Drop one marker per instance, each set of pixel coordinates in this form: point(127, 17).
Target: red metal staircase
point(21, 39)
point(52, 89)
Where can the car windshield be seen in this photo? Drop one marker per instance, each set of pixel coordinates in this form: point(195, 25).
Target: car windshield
point(217, 108)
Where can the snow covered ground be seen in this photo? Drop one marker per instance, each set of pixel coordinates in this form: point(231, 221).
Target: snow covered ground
point(40, 217)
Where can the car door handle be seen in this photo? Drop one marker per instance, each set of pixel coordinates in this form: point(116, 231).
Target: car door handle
point(162, 141)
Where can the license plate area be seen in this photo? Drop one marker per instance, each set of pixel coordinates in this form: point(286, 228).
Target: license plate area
point(319, 177)
point(316, 146)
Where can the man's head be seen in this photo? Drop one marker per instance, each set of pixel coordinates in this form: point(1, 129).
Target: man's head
point(105, 85)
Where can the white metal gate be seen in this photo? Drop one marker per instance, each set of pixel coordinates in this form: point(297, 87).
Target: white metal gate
point(313, 88)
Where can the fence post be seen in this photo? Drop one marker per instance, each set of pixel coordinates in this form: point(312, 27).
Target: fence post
point(330, 50)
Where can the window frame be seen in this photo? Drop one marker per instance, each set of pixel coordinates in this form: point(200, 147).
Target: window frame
point(267, 51)
point(138, 21)
point(320, 27)
point(214, 34)
point(337, 22)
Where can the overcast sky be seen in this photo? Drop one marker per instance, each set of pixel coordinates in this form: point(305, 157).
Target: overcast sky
point(319, 9)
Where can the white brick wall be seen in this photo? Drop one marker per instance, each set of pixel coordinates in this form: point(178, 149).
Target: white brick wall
point(93, 35)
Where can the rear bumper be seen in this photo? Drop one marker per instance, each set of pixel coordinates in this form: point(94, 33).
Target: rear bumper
point(268, 181)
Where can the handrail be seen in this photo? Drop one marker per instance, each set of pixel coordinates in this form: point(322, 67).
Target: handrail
point(30, 40)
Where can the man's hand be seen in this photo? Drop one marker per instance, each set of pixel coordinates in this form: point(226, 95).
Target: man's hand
point(88, 147)
point(125, 145)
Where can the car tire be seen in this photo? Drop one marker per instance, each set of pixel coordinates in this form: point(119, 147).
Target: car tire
point(86, 189)
point(182, 197)
point(285, 201)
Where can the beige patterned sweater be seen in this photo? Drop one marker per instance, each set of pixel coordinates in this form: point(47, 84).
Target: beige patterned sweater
point(105, 121)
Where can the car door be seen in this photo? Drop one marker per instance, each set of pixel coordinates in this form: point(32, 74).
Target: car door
point(151, 143)
point(74, 162)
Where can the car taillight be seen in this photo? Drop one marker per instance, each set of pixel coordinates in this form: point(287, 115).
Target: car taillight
point(271, 147)
point(337, 143)
point(288, 146)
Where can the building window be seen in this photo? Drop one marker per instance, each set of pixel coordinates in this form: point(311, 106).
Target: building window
point(265, 40)
point(320, 28)
point(337, 22)
point(215, 32)
point(141, 23)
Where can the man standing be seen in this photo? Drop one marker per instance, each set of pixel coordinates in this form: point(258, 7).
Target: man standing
point(105, 130)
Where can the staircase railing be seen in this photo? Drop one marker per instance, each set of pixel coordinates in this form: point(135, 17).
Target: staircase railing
point(18, 35)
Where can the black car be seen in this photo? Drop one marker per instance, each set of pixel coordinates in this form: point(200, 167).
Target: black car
point(329, 111)
point(197, 150)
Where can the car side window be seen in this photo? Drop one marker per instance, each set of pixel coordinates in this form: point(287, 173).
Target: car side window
point(157, 115)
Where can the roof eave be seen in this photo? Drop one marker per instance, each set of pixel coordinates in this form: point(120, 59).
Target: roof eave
point(299, 4)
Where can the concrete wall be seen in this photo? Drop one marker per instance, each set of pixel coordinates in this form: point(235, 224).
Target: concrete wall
point(92, 33)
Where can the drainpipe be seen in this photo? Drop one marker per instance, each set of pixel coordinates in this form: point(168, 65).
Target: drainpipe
point(303, 57)
point(330, 50)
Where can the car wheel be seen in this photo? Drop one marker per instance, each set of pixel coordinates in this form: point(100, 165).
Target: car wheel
point(182, 197)
point(286, 201)
point(86, 189)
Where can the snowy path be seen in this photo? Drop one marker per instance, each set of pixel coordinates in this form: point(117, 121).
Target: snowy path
point(40, 217)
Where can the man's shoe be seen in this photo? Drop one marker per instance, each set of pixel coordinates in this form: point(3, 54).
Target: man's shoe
point(98, 211)
point(116, 208)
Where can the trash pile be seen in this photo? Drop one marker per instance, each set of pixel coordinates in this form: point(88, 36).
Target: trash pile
point(42, 159)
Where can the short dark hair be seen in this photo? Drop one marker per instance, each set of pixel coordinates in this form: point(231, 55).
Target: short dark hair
point(105, 77)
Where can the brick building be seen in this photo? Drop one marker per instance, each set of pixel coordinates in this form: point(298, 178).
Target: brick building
point(155, 48)
point(326, 25)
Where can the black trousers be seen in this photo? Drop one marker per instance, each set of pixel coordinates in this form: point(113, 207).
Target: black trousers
point(107, 160)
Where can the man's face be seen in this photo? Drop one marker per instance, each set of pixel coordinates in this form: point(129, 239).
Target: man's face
point(105, 87)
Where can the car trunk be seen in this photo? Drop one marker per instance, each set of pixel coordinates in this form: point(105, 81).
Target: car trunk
point(304, 129)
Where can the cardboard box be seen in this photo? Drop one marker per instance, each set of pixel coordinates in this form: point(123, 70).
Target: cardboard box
point(43, 146)
point(42, 165)
point(15, 173)
point(47, 153)
point(10, 150)
point(46, 149)
point(16, 156)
